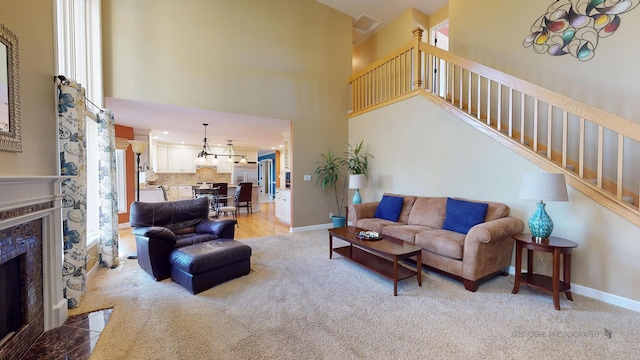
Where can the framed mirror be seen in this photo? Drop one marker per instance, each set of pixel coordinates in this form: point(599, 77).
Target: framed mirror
point(10, 122)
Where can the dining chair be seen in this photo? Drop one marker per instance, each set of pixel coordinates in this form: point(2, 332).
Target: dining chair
point(243, 196)
point(222, 191)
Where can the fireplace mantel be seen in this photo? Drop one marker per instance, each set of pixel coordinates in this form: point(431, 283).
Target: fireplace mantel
point(23, 199)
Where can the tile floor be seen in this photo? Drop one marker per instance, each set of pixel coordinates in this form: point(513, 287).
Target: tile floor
point(75, 339)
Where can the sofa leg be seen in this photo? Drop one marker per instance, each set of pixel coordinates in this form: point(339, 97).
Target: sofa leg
point(470, 285)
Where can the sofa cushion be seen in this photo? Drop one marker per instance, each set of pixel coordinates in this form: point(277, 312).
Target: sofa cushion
point(389, 208)
point(407, 205)
point(442, 242)
point(375, 224)
point(495, 210)
point(462, 215)
point(404, 232)
point(428, 211)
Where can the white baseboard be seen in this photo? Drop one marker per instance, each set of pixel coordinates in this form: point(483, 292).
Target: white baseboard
point(599, 295)
point(123, 225)
point(311, 227)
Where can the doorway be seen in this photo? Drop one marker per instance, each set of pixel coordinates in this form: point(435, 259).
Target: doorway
point(440, 39)
point(266, 179)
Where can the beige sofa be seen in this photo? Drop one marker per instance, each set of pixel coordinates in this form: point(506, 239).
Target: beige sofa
point(484, 251)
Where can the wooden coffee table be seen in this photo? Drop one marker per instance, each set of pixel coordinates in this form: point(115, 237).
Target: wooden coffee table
point(380, 256)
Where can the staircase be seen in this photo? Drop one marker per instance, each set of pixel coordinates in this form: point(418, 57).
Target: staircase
point(597, 151)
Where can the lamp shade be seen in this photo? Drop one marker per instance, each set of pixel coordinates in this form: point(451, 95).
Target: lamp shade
point(357, 181)
point(544, 187)
point(138, 146)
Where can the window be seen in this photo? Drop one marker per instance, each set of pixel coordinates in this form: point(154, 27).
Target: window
point(121, 166)
point(93, 200)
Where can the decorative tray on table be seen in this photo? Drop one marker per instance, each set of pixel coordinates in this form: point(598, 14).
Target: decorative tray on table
point(369, 235)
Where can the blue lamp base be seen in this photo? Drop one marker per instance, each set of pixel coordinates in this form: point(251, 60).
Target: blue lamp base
point(356, 197)
point(540, 224)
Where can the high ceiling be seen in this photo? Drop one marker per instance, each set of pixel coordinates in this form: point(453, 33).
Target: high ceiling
point(185, 124)
point(381, 10)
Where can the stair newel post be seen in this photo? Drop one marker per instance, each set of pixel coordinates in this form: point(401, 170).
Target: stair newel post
point(417, 55)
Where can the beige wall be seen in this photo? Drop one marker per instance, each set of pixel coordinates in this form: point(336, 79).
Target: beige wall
point(286, 59)
point(392, 36)
point(491, 32)
point(439, 16)
point(431, 153)
point(32, 22)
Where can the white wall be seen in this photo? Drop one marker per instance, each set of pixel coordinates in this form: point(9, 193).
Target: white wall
point(420, 149)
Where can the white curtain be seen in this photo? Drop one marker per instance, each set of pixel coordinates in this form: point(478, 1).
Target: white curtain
point(107, 189)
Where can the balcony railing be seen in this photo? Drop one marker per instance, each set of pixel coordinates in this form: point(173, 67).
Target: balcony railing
point(598, 152)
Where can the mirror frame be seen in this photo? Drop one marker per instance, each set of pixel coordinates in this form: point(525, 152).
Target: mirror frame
point(12, 140)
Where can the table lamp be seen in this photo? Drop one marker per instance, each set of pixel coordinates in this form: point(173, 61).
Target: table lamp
point(356, 182)
point(543, 187)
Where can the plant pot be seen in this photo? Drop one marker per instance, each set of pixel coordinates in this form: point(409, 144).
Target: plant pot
point(338, 221)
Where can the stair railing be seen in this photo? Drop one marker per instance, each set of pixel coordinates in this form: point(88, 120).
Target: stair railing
point(598, 152)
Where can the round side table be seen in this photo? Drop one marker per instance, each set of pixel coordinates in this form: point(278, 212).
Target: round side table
point(554, 245)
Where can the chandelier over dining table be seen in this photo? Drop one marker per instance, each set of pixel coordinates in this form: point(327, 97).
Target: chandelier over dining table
point(206, 157)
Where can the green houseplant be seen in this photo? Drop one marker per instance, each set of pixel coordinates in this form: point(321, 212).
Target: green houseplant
point(333, 171)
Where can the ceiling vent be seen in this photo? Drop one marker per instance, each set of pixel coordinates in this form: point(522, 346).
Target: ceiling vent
point(365, 24)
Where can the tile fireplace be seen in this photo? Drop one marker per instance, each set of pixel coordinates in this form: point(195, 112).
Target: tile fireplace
point(31, 261)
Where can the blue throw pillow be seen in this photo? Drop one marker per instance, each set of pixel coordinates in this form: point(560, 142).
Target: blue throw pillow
point(463, 215)
point(389, 208)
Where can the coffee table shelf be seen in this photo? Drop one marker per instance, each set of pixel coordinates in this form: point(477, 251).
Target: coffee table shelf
point(372, 262)
point(380, 256)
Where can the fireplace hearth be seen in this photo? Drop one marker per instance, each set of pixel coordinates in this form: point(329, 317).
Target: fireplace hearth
point(31, 288)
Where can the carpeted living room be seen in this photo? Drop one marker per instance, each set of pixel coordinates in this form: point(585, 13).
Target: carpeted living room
point(299, 62)
point(297, 303)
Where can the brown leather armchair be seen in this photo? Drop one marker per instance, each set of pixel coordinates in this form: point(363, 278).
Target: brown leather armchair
point(161, 227)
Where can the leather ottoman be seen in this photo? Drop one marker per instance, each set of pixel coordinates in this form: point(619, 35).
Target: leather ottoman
point(202, 266)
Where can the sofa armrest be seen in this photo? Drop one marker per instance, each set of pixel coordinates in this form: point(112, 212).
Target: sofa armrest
point(156, 232)
point(220, 228)
point(488, 247)
point(495, 229)
point(366, 210)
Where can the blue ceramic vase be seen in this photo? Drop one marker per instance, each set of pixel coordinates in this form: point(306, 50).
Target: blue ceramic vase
point(540, 224)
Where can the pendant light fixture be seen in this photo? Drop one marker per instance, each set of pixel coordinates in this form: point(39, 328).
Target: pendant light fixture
point(206, 157)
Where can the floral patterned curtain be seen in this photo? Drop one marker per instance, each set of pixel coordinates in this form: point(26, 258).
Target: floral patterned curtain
point(73, 160)
point(73, 163)
point(107, 190)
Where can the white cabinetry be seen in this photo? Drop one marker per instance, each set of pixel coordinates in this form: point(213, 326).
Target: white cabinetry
point(224, 167)
point(283, 205)
point(151, 195)
point(287, 154)
point(159, 162)
point(180, 192)
point(181, 160)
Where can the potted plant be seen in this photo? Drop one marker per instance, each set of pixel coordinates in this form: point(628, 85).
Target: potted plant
point(332, 173)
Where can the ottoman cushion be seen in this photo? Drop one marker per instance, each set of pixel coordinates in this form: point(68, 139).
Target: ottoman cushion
point(200, 266)
point(199, 258)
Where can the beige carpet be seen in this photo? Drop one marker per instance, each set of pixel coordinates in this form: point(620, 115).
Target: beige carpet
point(298, 304)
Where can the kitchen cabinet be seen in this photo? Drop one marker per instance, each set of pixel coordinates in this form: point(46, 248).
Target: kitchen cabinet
point(287, 153)
point(181, 160)
point(151, 195)
point(180, 192)
point(224, 167)
point(251, 156)
point(160, 159)
point(283, 205)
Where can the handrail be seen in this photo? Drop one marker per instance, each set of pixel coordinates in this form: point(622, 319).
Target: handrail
point(558, 133)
